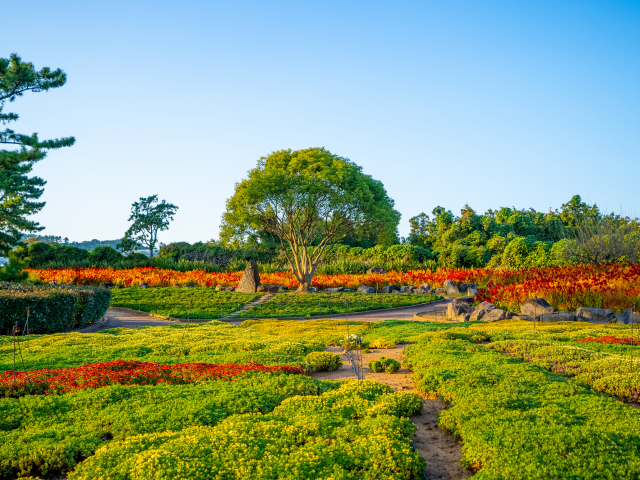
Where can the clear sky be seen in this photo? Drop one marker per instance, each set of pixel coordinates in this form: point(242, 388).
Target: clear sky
point(490, 103)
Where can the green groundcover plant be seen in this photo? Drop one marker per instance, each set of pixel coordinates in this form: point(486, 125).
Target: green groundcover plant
point(323, 361)
point(46, 434)
point(357, 431)
point(518, 421)
point(293, 305)
point(182, 302)
point(384, 364)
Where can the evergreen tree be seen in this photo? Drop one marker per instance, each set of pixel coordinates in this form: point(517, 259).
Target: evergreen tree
point(149, 217)
point(19, 192)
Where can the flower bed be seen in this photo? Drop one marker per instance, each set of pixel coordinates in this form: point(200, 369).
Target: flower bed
point(609, 340)
point(97, 375)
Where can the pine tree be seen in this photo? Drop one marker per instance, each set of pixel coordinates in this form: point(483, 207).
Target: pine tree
point(19, 193)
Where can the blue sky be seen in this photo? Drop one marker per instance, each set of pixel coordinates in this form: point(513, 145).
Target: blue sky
point(492, 103)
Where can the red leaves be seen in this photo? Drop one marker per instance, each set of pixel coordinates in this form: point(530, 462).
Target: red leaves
point(123, 372)
point(609, 340)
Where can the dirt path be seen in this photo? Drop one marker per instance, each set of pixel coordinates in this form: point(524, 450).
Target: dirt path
point(440, 450)
point(122, 318)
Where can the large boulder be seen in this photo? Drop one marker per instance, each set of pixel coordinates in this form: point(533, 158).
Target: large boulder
point(407, 289)
point(425, 286)
point(485, 306)
point(366, 289)
point(250, 280)
point(595, 315)
point(422, 291)
point(268, 289)
point(463, 301)
point(390, 289)
point(376, 270)
point(451, 288)
point(144, 285)
point(472, 292)
point(535, 307)
point(464, 287)
point(562, 316)
point(496, 314)
point(334, 289)
point(625, 318)
point(438, 291)
point(478, 314)
point(456, 310)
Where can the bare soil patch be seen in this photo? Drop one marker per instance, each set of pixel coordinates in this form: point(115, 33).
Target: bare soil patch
point(440, 450)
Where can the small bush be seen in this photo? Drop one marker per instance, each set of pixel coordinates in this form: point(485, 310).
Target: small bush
point(323, 361)
point(381, 343)
point(384, 364)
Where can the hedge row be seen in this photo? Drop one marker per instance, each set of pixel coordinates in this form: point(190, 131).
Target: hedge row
point(51, 308)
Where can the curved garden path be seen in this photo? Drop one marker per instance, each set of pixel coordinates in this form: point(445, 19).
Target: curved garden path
point(126, 318)
point(440, 450)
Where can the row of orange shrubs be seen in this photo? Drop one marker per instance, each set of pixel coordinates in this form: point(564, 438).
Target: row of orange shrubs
point(602, 286)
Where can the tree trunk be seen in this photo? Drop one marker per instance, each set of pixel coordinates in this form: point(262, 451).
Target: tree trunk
point(304, 287)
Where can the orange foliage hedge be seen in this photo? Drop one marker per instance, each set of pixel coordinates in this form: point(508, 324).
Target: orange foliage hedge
point(611, 286)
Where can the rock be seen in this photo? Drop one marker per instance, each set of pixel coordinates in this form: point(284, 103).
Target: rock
point(282, 288)
point(463, 287)
point(451, 288)
point(624, 318)
point(348, 290)
point(397, 292)
point(454, 311)
point(463, 301)
point(53, 283)
point(478, 314)
point(438, 291)
point(595, 315)
point(464, 317)
point(250, 280)
point(144, 285)
point(407, 289)
point(496, 314)
point(535, 307)
point(472, 292)
point(268, 289)
point(366, 289)
point(485, 306)
point(107, 285)
point(334, 289)
point(421, 291)
point(225, 288)
point(425, 286)
point(390, 289)
point(376, 270)
point(562, 316)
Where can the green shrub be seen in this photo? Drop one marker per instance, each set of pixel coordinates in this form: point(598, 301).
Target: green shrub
point(323, 361)
point(384, 364)
point(381, 343)
point(51, 308)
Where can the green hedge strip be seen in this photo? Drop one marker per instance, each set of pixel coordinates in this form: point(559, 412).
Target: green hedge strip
point(52, 308)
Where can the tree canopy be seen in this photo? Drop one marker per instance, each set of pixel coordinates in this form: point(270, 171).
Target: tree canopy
point(19, 192)
point(307, 200)
point(149, 217)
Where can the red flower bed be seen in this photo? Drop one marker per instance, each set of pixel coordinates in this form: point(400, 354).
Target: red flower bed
point(123, 372)
point(608, 340)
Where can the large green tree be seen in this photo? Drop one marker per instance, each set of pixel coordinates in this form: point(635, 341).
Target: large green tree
point(19, 193)
point(149, 216)
point(308, 200)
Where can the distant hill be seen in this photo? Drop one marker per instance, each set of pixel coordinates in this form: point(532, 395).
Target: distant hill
point(86, 245)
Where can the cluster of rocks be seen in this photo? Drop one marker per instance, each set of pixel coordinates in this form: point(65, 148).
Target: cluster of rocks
point(461, 309)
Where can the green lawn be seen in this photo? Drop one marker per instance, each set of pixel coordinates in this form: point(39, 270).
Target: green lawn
point(296, 305)
point(181, 302)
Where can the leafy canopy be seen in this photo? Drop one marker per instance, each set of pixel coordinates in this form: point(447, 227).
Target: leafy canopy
point(149, 217)
point(307, 200)
point(19, 192)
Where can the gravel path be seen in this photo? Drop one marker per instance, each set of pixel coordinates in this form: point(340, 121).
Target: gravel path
point(122, 318)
